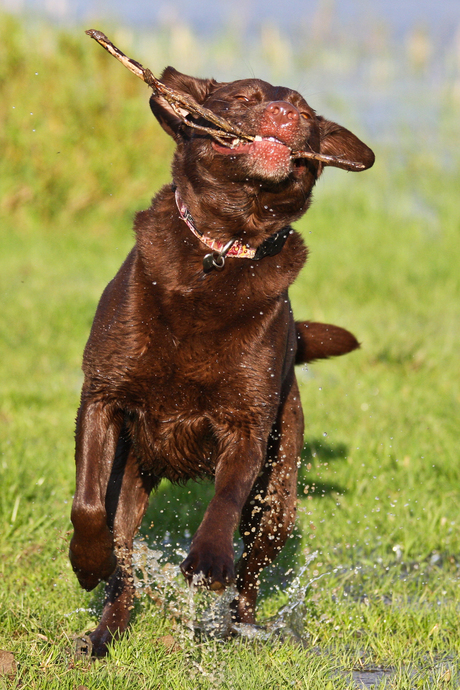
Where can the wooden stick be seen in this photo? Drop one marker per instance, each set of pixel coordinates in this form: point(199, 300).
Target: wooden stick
point(178, 101)
point(336, 161)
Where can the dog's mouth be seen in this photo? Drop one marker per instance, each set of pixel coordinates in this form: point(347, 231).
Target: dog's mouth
point(269, 153)
point(278, 150)
point(236, 146)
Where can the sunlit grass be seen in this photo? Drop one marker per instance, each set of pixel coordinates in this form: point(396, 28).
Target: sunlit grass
point(378, 488)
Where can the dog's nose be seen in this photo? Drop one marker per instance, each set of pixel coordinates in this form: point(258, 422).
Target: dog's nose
point(282, 113)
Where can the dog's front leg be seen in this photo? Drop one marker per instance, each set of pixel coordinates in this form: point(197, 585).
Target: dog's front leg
point(210, 561)
point(91, 549)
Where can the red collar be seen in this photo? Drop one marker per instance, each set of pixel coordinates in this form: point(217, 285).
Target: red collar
point(238, 249)
point(235, 248)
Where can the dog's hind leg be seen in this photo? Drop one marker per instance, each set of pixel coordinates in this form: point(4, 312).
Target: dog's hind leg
point(126, 502)
point(269, 513)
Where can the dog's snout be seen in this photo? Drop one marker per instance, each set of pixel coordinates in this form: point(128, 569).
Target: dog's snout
point(281, 120)
point(282, 113)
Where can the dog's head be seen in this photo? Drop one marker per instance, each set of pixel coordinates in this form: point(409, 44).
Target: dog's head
point(279, 123)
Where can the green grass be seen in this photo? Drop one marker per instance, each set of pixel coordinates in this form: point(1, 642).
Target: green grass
point(379, 485)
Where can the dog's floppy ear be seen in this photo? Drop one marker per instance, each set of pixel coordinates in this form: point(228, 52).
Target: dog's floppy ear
point(341, 143)
point(198, 89)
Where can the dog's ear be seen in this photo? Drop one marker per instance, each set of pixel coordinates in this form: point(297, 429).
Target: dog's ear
point(342, 144)
point(198, 89)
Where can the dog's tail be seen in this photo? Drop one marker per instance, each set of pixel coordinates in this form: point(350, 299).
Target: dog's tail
point(322, 340)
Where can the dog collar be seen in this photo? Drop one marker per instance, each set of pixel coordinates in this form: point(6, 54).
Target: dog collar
point(234, 248)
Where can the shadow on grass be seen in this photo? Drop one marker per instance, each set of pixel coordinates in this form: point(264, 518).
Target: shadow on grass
point(315, 455)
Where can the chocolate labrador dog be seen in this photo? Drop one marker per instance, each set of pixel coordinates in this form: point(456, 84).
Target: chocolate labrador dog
point(189, 367)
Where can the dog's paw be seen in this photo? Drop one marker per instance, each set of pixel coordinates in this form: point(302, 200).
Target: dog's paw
point(95, 645)
point(209, 566)
point(101, 639)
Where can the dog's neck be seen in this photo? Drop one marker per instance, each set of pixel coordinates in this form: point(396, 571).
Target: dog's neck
point(238, 248)
point(235, 248)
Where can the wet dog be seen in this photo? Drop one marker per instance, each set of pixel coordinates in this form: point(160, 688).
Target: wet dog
point(189, 367)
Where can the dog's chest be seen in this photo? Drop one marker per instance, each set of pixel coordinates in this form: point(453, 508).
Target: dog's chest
point(190, 412)
point(177, 447)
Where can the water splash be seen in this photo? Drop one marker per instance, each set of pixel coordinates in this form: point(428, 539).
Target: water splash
point(196, 611)
point(163, 582)
point(289, 620)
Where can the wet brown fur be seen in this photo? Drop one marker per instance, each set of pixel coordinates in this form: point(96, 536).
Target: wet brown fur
point(191, 374)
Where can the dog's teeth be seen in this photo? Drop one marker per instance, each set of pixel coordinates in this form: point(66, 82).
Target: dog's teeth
point(257, 138)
